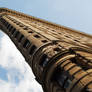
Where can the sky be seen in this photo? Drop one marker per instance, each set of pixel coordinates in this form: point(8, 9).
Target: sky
point(15, 73)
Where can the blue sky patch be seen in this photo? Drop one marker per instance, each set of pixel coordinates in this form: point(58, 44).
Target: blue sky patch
point(3, 73)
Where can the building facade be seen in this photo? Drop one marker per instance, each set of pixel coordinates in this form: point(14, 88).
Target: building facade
point(60, 57)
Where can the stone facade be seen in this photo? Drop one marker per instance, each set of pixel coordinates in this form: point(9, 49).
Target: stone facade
point(60, 57)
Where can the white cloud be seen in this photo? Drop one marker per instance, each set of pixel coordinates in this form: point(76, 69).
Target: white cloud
point(4, 86)
point(18, 69)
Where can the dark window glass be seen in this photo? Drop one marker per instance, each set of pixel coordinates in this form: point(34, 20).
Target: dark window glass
point(44, 60)
point(8, 25)
point(26, 44)
point(30, 32)
point(32, 49)
point(44, 41)
point(21, 37)
point(37, 36)
point(67, 83)
point(13, 30)
point(57, 49)
point(10, 28)
point(16, 34)
point(61, 79)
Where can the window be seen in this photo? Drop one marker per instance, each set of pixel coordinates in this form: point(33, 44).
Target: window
point(67, 36)
point(25, 28)
point(17, 23)
point(16, 34)
point(44, 60)
point(37, 36)
point(44, 41)
point(8, 25)
point(5, 24)
point(57, 49)
point(21, 25)
point(13, 31)
point(10, 28)
point(26, 44)
point(67, 83)
point(32, 49)
point(21, 37)
point(76, 40)
point(61, 79)
point(30, 32)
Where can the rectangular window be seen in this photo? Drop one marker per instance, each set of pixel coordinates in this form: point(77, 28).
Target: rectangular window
point(13, 30)
point(10, 28)
point(44, 60)
point(21, 37)
point(8, 25)
point(26, 44)
point(16, 34)
point(37, 36)
point(33, 48)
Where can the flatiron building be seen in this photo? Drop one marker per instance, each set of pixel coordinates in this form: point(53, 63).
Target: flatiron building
point(60, 57)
